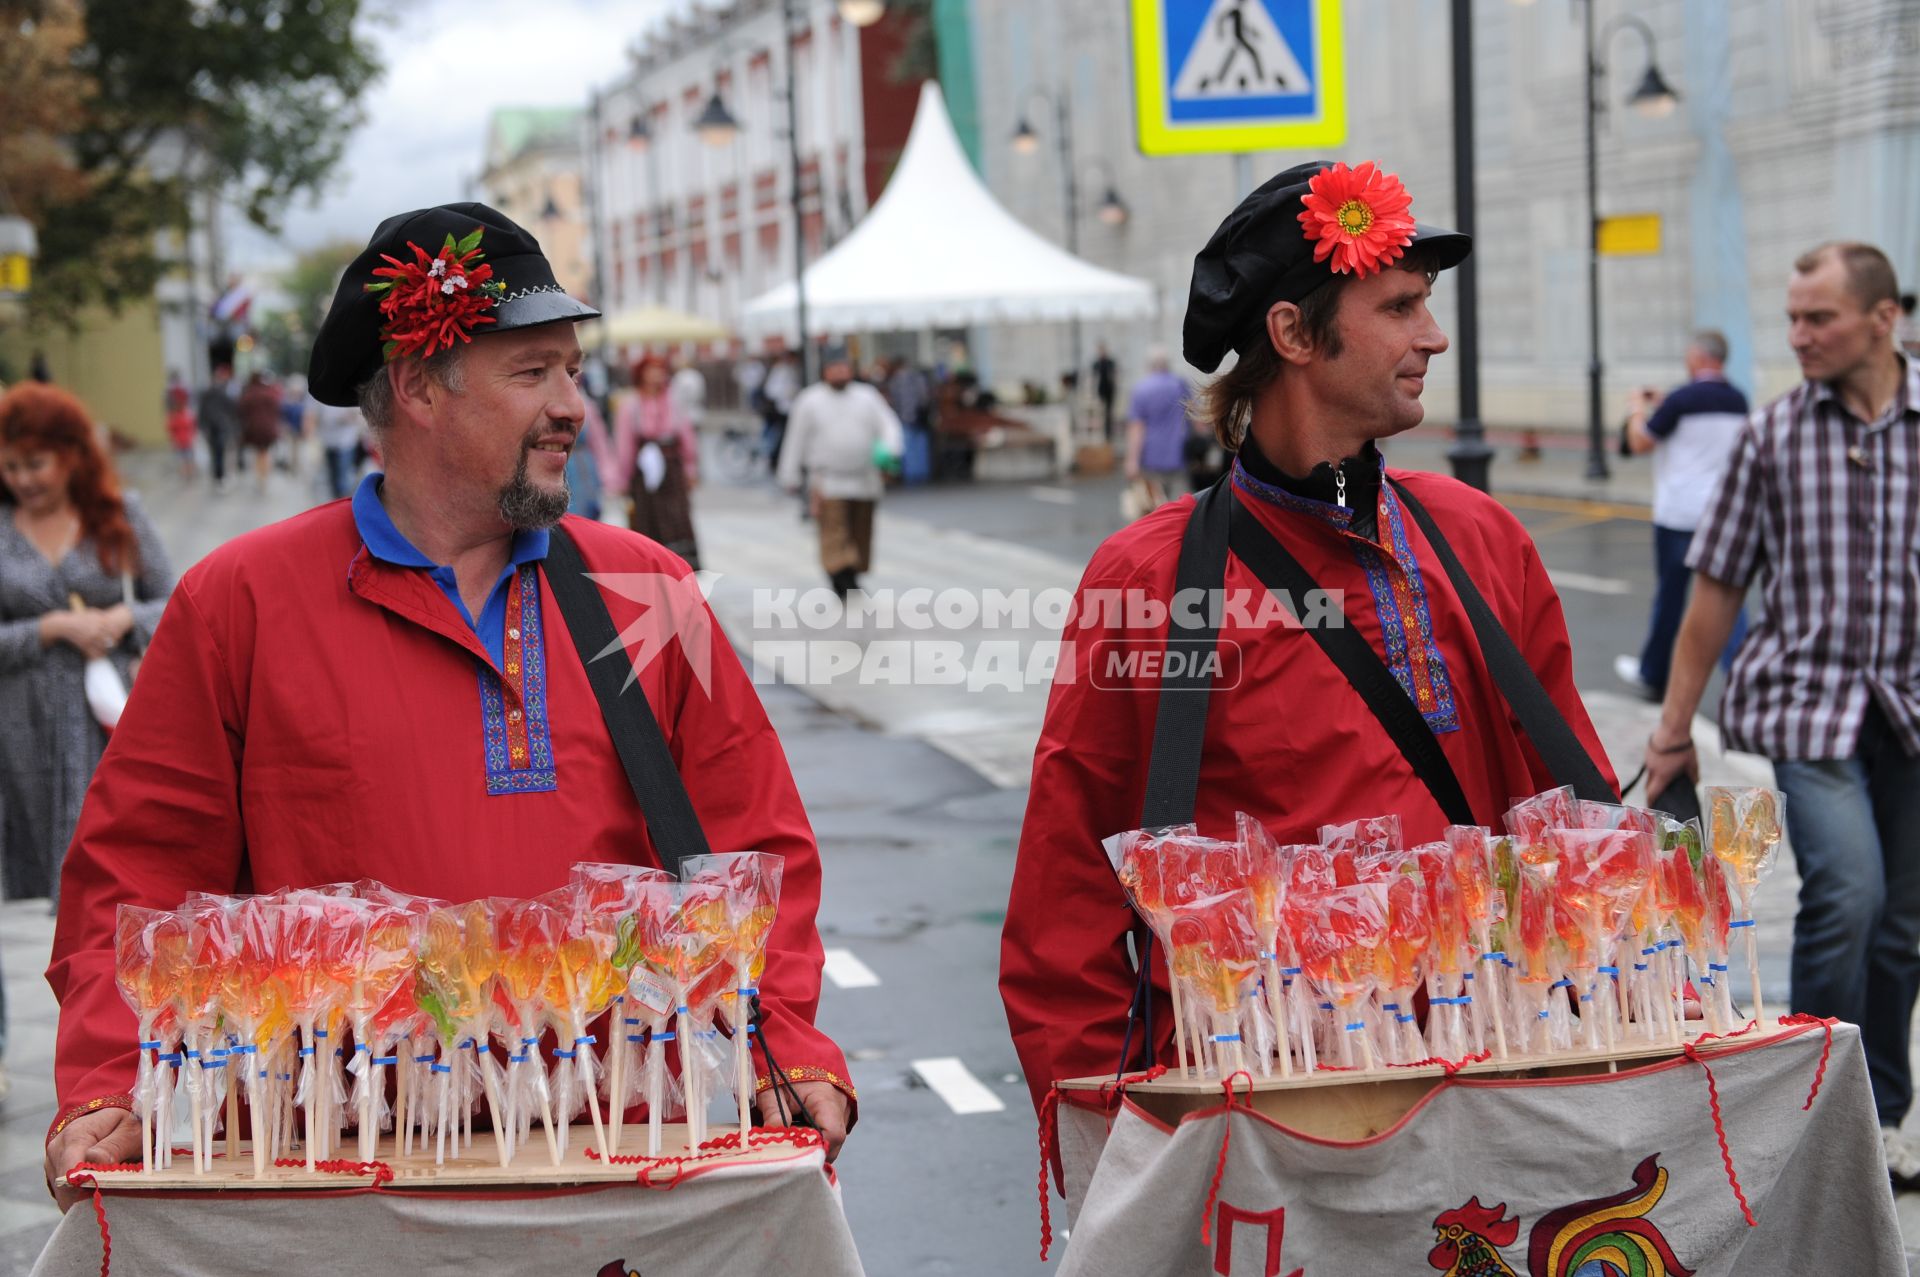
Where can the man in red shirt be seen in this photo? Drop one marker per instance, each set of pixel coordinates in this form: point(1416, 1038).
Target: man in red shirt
point(1319, 280)
point(386, 688)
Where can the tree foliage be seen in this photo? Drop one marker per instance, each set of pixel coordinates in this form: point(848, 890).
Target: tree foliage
point(254, 99)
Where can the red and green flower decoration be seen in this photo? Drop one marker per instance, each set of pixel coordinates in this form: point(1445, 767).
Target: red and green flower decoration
point(431, 302)
point(1358, 217)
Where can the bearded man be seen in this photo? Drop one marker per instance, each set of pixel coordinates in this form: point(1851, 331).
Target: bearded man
point(391, 686)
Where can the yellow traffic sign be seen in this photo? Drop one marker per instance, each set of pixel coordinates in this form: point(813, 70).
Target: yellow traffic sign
point(16, 273)
point(1238, 75)
point(1630, 235)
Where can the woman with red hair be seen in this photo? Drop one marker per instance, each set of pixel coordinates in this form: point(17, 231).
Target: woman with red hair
point(82, 575)
point(654, 457)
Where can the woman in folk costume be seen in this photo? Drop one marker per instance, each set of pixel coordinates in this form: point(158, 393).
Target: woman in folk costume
point(656, 455)
point(1319, 282)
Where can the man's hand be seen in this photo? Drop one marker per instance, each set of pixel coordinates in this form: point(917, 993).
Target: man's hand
point(1666, 760)
point(826, 1104)
point(103, 1137)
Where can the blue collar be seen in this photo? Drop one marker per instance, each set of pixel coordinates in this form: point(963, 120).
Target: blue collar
point(386, 542)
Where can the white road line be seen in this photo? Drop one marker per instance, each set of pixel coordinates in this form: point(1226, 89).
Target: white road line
point(1590, 584)
point(848, 972)
point(962, 1091)
point(1055, 496)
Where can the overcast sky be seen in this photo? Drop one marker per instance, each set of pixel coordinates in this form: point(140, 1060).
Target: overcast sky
point(449, 63)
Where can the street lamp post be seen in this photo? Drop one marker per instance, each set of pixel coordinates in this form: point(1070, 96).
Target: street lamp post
point(594, 228)
point(1026, 141)
point(789, 19)
point(1470, 456)
point(717, 127)
point(1653, 97)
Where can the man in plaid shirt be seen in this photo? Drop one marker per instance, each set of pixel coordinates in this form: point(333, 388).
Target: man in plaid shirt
point(1820, 503)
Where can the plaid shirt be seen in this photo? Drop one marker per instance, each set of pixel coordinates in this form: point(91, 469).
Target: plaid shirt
point(1826, 509)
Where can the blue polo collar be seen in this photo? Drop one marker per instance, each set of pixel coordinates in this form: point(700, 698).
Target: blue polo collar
point(386, 542)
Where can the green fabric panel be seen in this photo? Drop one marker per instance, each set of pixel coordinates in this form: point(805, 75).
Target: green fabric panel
point(953, 30)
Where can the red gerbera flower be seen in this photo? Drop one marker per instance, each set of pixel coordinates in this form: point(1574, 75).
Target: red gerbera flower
point(431, 302)
point(1358, 217)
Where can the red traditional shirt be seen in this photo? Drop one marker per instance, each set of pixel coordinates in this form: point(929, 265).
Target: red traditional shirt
point(310, 714)
point(1288, 740)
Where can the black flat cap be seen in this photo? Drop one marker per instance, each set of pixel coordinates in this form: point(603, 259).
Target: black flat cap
point(1260, 255)
point(349, 347)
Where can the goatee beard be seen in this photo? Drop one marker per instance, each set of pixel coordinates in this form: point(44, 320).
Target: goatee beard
point(524, 506)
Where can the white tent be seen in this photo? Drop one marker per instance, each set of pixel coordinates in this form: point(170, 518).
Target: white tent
point(938, 251)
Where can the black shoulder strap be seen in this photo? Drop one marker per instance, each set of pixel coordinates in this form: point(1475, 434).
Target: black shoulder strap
point(1291, 583)
point(1180, 722)
point(1566, 758)
point(664, 804)
point(1173, 771)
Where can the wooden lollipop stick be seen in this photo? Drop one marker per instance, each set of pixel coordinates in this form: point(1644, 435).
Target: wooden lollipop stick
point(1282, 1047)
point(546, 1120)
point(690, 1081)
point(443, 1082)
point(1179, 1036)
point(593, 1096)
point(196, 1084)
point(234, 1062)
point(1493, 990)
point(656, 1067)
point(1753, 972)
point(742, 1060)
point(616, 1057)
point(495, 1109)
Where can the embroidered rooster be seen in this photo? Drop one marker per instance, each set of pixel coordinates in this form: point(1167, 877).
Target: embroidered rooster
point(1605, 1237)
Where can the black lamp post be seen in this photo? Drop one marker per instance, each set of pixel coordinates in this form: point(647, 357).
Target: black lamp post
point(1654, 97)
point(1026, 141)
point(1470, 456)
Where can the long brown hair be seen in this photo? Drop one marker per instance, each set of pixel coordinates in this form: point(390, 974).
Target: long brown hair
point(39, 418)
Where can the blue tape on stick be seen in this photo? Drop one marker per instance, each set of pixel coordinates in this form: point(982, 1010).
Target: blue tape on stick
point(1226, 1037)
point(386, 1059)
point(588, 1040)
point(1744, 922)
point(149, 1046)
point(558, 1054)
point(441, 1068)
point(1612, 971)
point(1356, 1026)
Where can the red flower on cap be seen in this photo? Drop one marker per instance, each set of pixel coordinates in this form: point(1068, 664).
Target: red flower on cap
point(1358, 217)
point(431, 302)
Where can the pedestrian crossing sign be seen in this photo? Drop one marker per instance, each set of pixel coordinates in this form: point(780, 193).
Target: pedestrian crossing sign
point(1238, 75)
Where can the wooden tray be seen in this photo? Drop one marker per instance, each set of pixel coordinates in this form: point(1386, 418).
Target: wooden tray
point(1354, 1104)
point(477, 1168)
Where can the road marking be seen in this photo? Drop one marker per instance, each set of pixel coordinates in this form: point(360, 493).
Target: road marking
point(963, 1092)
point(848, 972)
point(1054, 496)
point(1589, 584)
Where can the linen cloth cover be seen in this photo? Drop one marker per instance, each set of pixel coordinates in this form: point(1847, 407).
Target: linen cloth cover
point(774, 1217)
point(1550, 1153)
